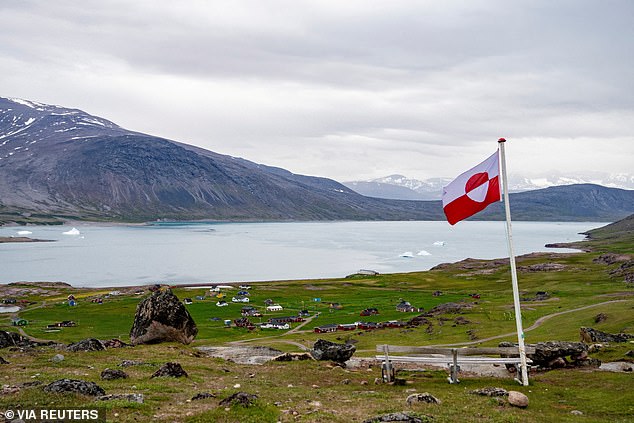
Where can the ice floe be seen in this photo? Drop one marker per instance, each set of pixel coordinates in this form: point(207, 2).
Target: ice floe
point(423, 253)
point(24, 232)
point(407, 254)
point(73, 231)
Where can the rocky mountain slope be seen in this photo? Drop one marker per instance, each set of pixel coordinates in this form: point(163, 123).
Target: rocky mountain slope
point(56, 161)
point(60, 161)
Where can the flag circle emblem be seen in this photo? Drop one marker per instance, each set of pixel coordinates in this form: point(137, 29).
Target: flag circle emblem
point(477, 187)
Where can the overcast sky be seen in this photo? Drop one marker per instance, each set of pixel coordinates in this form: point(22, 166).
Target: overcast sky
point(342, 89)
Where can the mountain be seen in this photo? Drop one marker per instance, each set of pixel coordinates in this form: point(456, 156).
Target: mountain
point(65, 162)
point(56, 161)
point(399, 187)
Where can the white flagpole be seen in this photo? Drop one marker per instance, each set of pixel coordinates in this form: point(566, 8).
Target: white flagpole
point(516, 294)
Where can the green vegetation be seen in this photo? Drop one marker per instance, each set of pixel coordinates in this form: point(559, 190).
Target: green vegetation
point(579, 289)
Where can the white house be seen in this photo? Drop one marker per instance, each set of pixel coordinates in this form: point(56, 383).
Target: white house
point(274, 307)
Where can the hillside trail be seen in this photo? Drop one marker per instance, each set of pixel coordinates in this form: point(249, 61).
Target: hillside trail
point(296, 329)
point(534, 326)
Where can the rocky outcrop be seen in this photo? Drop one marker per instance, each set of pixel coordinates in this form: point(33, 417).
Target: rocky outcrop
point(293, 357)
point(75, 386)
point(542, 267)
point(326, 350)
point(558, 354)
point(90, 344)
point(162, 318)
point(13, 339)
point(590, 335)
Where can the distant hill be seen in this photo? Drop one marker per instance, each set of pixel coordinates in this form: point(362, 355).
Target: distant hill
point(399, 187)
point(56, 161)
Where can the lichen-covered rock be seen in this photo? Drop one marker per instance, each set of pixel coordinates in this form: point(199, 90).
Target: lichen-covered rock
point(162, 317)
point(75, 386)
point(14, 339)
point(326, 350)
point(90, 344)
point(554, 354)
point(424, 397)
point(112, 374)
point(491, 392)
point(170, 370)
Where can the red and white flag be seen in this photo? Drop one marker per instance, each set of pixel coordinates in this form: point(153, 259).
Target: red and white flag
point(472, 191)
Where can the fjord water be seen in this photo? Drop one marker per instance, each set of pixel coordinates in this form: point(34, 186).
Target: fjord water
point(117, 255)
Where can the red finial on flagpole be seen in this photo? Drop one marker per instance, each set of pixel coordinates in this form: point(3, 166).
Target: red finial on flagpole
point(502, 140)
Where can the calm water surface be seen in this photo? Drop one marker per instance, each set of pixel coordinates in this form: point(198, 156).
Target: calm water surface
point(227, 252)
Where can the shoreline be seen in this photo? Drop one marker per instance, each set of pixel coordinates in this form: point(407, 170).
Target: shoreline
point(10, 239)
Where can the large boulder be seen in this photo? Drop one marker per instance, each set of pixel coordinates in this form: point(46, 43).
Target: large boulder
point(326, 350)
point(14, 339)
point(161, 317)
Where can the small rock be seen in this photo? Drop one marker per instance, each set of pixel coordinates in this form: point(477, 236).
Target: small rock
point(115, 343)
point(138, 398)
point(315, 404)
point(75, 386)
point(170, 370)
point(315, 386)
point(112, 374)
point(601, 317)
point(518, 399)
point(240, 398)
point(364, 382)
point(491, 392)
point(202, 395)
point(378, 381)
point(346, 381)
point(293, 357)
point(576, 413)
point(424, 397)
point(57, 358)
point(236, 386)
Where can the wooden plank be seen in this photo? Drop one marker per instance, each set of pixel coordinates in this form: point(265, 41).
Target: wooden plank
point(449, 360)
point(448, 351)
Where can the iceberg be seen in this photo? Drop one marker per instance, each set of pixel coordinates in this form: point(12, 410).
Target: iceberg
point(407, 254)
point(73, 231)
point(423, 253)
point(439, 243)
point(24, 232)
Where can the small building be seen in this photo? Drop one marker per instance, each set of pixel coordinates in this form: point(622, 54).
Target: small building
point(17, 321)
point(269, 302)
point(222, 303)
point(244, 286)
point(240, 299)
point(368, 325)
point(274, 307)
point(63, 324)
point(326, 328)
point(304, 313)
point(437, 293)
point(369, 311)
point(187, 301)
point(9, 301)
point(335, 306)
point(347, 326)
point(244, 293)
point(286, 319)
point(406, 307)
point(200, 297)
point(72, 303)
point(281, 326)
point(395, 324)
